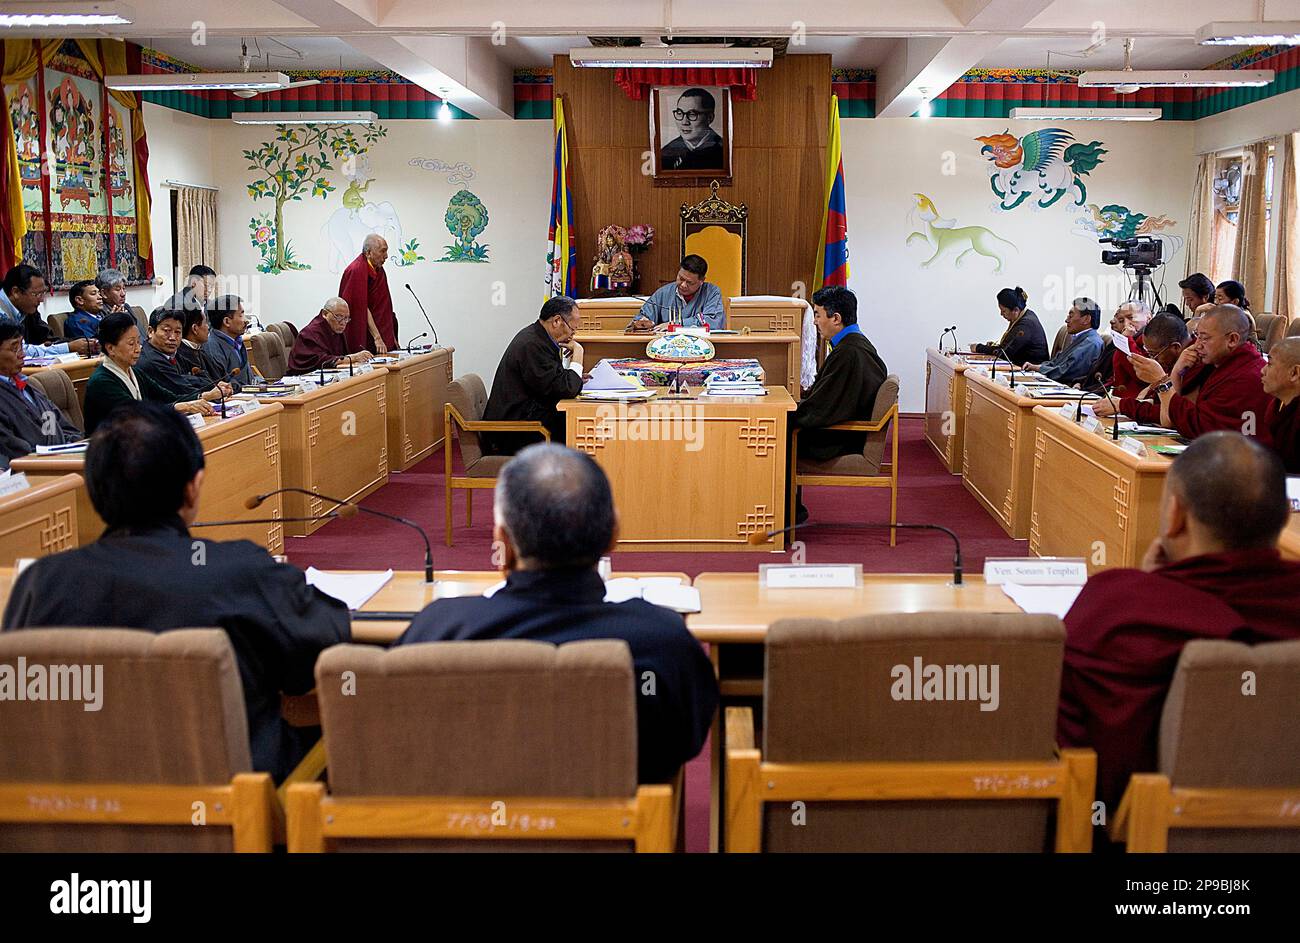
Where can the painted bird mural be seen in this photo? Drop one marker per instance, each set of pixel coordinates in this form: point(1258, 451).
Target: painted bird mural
point(1042, 164)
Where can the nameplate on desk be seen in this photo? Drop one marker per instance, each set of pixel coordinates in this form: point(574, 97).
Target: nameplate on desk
point(1067, 411)
point(1002, 380)
point(829, 576)
point(1090, 423)
point(10, 484)
point(67, 358)
point(1036, 571)
point(1134, 447)
point(196, 421)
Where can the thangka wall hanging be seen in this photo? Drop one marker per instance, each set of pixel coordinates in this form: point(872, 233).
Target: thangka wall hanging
point(74, 188)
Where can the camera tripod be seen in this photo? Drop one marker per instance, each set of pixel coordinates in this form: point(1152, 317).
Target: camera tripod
point(1144, 289)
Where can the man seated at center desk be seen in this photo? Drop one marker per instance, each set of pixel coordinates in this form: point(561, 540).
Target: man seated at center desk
point(689, 301)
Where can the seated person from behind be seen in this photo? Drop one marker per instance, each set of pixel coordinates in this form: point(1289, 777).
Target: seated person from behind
point(1213, 572)
point(87, 309)
point(323, 342)
point(116, 380)
point(1023, 340)
point(1282, 382)
point(21, 295)
point(555, 518)
point(689, 301)
point(158, 360)
point(144, 473)
point(541, 366)
point(1166, 337)
point(1223, 370)
point(1080, 352)
point(27, 417)
point(191, 355)
point(225, 344)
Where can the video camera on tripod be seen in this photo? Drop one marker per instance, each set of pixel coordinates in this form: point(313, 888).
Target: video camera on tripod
point(1135, 252)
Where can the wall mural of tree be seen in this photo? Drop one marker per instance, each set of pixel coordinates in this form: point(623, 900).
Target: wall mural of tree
point(293, 165)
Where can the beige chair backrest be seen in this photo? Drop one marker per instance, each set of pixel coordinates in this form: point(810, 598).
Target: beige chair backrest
point(487, 718)
point(1214, 734)
point(170, 711)
point(55, 322)
point(873, 450)
point(1059, 343)
point(141, 319)
point(468, 394)
point(1293, 329)
point(833, 694)
point(288, 333)
point(1271, 329)
point(268, 355)
point(58, 388)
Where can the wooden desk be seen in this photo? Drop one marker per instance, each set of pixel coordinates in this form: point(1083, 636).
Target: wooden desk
point(766, 315)
point(998, 450)
point(40, 520)
point(690, 474)
point(945, 407)
point(606, 314)
point(334, 440)
point(415, 394)
point(778, 354)
point(242, 457)
point(78, 372)
point(1090, 498)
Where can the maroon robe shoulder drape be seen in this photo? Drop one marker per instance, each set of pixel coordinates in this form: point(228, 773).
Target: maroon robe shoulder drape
point(365, 288)
point(317, 345)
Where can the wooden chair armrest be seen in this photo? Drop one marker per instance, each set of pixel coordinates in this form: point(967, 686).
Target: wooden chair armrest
point(740, 728)
point(481, 425)
point(860, 426)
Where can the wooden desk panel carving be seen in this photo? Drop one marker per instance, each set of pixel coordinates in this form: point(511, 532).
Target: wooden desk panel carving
point(40, 520)
point(416, 394)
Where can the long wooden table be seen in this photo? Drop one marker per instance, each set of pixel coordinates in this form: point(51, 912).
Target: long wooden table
point(700, 473)
point(333, 440)
point(945, 407)
point(415, 394)
point(39, 520)
point(777, 353)
point(78, 372)
point(242, 457)
point(998, 449)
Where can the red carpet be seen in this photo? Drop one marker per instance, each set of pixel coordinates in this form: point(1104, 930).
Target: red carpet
point(927, 494)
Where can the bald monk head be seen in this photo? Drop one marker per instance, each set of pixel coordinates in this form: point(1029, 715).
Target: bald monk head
point(375, 248)
point(336, 314)
point(1226, 492)
point(1282, 375)
point(1222, 330)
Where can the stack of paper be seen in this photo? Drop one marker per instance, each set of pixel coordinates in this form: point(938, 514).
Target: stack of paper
point(715, 387)
point(72, 448)
point(1044, 600)
point(352, 589)
point(666, 591)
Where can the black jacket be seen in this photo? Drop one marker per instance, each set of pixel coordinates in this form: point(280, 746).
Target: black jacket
point(25, 425)
point(150, 579)
point(529, 381)
point(844, 391)
point(170, 374)
point(567, 606)
point(196, 362)
point(1023, 341)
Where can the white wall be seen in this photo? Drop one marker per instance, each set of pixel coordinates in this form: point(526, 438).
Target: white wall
point(180, 149)
point(903, 307)
point(476, 307)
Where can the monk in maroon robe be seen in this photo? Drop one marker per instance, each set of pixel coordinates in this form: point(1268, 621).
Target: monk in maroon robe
point(1163, 339)
point(322, 342)
point(1282, 381)
point(1213, 572)
point(364, 286)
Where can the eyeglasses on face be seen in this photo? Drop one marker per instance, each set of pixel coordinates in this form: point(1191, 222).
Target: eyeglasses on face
point(691, 116)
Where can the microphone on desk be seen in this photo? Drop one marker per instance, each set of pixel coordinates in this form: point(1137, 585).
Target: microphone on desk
point(343, 512)
point(1114, 420)
point(256, 501)
point(1000, 350)
point(411, 343)
point(760, 538)
point(946, 331)
point(425, 313)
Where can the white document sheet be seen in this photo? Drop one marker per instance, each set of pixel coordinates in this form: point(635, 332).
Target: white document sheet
point(1046, 600)
point(352, 589)
point(1121, 344)
point(604, 377)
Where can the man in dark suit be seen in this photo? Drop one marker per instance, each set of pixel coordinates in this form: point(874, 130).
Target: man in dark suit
point(144, 472)
point(541, 366)
point(27, 417)
point(191, 355)
point(555, 518)
point(159, 361)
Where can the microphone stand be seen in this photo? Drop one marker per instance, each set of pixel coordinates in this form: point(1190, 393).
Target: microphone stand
point(269, 520)
point(760, 538)
point(425, 313)
point(1114, 419)
point(428, 549)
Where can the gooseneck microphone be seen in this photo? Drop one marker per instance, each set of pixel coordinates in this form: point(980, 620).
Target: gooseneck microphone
point(410, 345)
point(759, 538)
point(256, 501)
point(1114, 420)
point(425, 313)
point(946, 331)
point(345, 511)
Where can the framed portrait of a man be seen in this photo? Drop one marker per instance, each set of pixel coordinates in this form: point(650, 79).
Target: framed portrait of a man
point(690, 132)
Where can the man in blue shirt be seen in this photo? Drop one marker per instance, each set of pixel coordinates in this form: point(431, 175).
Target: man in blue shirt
point(1072, 364)
point(21, 295)
point(87, 309)
point(689, 301)
point(225, 344)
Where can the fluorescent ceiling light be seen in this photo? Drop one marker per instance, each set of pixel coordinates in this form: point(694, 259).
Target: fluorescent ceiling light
point(304, 117)
point(49, 14)
point(1172, 78)
point(198, 81)
point(1086, 114)
point(671, 57)
point(1259, 33)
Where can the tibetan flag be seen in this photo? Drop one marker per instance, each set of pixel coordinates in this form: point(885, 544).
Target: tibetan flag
point(561, 251)
point(833, 252)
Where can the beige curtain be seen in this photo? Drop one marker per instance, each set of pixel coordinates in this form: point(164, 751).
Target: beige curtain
point(1286, 209)
point(1223, 249)
point(1200, 235)
point(196, 228)
point(1250, 266)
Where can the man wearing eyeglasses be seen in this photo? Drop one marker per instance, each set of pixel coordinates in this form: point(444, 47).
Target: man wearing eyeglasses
point(1166, 337)
point(322, 343)
point(698, 146)
point(21, 294)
